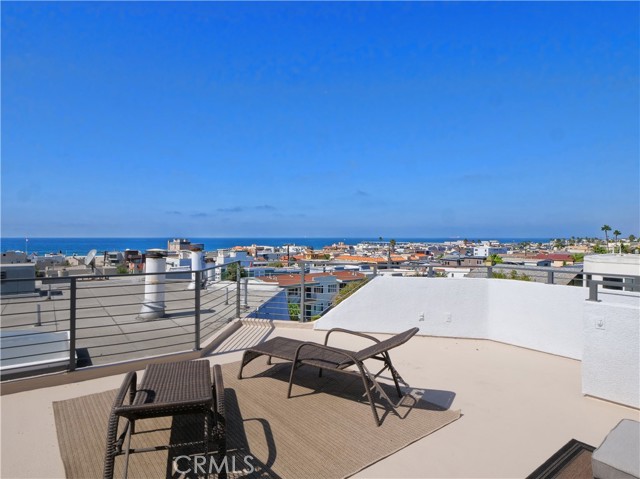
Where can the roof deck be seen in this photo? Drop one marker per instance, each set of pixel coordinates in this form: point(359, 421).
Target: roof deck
point(519, 406)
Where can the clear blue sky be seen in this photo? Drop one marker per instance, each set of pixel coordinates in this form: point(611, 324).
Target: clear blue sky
point(349, 119)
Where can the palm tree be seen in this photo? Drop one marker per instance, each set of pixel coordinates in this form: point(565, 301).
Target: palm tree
point(632, 238)
point(616, 233)
point(606, 229)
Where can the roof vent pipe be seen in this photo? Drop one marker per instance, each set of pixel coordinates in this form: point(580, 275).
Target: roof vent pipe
point(153, 306)
point(196, 265)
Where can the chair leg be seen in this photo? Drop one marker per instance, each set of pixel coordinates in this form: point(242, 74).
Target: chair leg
point(126, 456)
point(293, 370)
point(242, 365)
point(367, 390)
point(394, 373)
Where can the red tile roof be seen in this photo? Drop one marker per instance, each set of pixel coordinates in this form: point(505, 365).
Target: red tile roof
point(285, 280)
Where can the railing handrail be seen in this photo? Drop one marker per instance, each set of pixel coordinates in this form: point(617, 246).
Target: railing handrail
point(206, 310)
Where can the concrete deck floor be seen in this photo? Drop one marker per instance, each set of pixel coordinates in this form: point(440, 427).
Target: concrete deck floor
point(519, 406)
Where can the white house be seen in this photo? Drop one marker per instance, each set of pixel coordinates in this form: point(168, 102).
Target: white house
point(226, 256)
point(486, 250)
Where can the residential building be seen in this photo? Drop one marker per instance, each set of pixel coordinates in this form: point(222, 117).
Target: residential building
point(471, 261)
point(320, 288)
point(179, 244)
point(556, 259)
point(13, 257)
point(226, 256)
point(488, 250)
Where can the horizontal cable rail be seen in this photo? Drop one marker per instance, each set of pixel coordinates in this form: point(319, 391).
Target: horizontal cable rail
point(79, 321)
point(73, 322)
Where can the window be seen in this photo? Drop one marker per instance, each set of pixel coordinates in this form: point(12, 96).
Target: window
point(332, 288)
point(318, 289)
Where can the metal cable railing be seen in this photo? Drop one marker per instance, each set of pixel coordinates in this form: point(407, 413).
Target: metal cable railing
point(78, 321)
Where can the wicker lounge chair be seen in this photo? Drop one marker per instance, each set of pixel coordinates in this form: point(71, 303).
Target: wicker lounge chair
point(323, 356)
point(167, 389)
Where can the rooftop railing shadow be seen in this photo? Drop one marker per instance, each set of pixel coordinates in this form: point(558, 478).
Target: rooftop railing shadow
point(245, 338)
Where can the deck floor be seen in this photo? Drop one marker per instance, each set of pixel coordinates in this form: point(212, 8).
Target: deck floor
point(519, 407)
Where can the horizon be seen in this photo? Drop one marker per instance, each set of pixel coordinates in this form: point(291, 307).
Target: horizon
point(417, 120)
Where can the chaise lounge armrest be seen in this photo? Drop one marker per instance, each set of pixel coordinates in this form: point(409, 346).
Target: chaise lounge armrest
point(129, 385)
point(348, 331)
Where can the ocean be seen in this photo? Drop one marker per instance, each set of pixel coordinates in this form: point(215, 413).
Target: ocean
point(82, 246)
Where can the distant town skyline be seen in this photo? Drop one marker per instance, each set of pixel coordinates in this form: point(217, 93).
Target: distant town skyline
point(425, 119)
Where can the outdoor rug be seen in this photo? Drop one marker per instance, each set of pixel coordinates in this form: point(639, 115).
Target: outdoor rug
point(571, 461)
point(326, 430)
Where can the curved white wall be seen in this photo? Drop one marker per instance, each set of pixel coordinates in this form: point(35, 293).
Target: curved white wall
point(538, 316)
point(549, 318)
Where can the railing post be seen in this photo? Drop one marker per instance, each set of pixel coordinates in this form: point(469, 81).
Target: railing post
point(430, 272)
point(549, 277)
point(303, 292)
point(72, 325)
point(238, 285)
point(489, 272)
point(593, 291)
point(198, 285)
point(375, 270)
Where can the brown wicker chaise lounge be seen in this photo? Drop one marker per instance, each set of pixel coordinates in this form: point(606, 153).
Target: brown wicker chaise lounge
point(167, 389)
point(323, 356)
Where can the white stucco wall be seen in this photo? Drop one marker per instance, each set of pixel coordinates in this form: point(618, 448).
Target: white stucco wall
point(549, 318)
point(544, 317)
point(611, 359)
point(538, 316)
point(390, 304)
point(613, 264)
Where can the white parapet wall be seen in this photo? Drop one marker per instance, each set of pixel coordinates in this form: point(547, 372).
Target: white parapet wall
point(438, 306)
point(544, 317)
point(548, 318)
point(611, 359)
point(538, 316)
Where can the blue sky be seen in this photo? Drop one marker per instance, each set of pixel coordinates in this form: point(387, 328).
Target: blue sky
point(310, 119)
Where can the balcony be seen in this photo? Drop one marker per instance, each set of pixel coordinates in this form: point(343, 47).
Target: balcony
point(529, 365)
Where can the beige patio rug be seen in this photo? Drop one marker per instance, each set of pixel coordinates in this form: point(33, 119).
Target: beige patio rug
point(326, 430)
